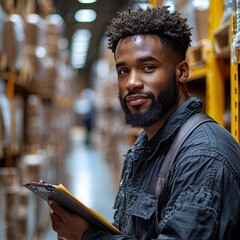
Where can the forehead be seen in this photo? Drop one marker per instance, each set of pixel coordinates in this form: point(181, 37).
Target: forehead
point(141, 45)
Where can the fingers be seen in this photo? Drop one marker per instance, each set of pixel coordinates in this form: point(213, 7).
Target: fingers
point(57, 209)
point(68, 225)
point(53, 204)
point(57, 222)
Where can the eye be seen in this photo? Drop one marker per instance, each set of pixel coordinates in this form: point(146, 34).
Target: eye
point(148, 68)
point(122, 71)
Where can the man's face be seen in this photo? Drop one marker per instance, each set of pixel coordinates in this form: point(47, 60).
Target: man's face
point(146, 78)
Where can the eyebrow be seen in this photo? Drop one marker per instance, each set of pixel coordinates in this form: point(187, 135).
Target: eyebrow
point(147, 58)
point(142, 59)
point(120, 64)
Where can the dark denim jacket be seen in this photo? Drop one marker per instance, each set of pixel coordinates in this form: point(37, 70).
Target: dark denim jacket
point(201, 199)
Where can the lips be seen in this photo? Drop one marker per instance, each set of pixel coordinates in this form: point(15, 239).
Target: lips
point(135, 100)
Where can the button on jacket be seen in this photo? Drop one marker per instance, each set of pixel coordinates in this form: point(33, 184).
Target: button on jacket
point(201, 199)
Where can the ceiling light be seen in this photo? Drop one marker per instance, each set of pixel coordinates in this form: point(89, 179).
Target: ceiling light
point(87, 1)
point(85, 15)
point(82, 34)
point(79, 47)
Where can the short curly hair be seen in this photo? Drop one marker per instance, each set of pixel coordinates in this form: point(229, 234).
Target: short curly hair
point(172, 29)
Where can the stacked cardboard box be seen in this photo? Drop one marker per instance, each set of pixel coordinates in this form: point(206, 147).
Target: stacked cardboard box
point(35, 111)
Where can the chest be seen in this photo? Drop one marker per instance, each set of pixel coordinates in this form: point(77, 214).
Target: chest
point(143, 169)
point(135, 200)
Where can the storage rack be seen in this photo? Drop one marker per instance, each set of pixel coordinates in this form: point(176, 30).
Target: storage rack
point(210, 79)
point(23, 216)
point(210, 61)
point(215, 77)
point(235, 83)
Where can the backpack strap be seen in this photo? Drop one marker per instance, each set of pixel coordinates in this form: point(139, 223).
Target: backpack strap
point(186, 129)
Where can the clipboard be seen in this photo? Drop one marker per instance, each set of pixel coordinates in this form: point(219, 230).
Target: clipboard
point(61, 195)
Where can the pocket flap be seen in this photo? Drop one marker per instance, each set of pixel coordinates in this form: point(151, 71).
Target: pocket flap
point(145, 205)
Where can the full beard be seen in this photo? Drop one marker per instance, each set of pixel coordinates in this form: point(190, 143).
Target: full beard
point(166, 99)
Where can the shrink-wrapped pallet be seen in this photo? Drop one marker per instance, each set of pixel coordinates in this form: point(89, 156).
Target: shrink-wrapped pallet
point(2, 18)
point(13, 40)
point(5, 113)
point(9, 187)
point(33, 46)
point(34, 30)
point(229, 8)
point(9, 177)
point(48, 54)
point(11, 214)
point(197, 16)
point(54, 33)
point(64, 78)
point(1, 135)
point(48, 76)
point(17, 123)
point(33, 167)
point(34, 124)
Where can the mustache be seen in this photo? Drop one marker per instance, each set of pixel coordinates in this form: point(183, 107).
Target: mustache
point(132, 93)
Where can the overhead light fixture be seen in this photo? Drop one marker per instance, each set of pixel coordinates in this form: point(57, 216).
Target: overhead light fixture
point(79, 47)
point(87, 1)
point(85, 15)
point(82, 34)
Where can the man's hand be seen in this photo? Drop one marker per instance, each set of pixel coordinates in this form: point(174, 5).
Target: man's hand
point(68, 225)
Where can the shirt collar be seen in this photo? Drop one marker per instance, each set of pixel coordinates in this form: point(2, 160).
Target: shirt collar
point(168, 131)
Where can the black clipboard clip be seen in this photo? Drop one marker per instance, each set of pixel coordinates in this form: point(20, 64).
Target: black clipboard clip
point(40, 186)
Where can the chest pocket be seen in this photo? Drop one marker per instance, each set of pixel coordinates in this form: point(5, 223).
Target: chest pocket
point(144, 216)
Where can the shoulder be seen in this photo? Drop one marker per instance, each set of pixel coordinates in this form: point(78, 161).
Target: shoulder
point(209, 151)
point(212, 140)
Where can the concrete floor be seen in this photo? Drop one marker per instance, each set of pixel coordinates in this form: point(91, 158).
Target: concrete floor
point(89, 178)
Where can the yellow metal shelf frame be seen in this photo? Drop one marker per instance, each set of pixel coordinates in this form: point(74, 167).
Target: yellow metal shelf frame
point(235, 85)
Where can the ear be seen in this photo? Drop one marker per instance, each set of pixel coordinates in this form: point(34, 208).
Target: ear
point(182, 71)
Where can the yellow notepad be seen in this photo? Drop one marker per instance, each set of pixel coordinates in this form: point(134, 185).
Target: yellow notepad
point(61, 195)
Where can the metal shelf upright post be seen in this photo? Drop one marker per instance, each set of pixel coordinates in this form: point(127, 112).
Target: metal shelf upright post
point(235, 83)
point(215, 81)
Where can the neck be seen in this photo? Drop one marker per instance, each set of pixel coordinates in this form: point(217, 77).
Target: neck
point(152, 130)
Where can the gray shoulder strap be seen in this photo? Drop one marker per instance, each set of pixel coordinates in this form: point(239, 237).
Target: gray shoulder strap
point(192, 123)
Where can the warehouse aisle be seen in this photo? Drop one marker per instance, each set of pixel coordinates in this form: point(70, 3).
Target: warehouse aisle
point(88, 177)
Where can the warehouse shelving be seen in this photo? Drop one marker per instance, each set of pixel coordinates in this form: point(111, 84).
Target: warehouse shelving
point(211, 61)
point(235, 83)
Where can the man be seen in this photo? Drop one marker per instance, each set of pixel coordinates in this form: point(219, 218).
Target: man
point(201, 199)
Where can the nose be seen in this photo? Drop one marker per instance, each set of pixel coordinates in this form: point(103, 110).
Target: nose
point(134, 81)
